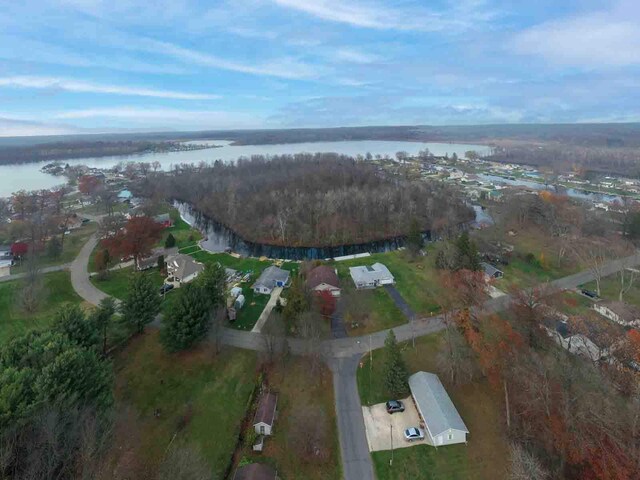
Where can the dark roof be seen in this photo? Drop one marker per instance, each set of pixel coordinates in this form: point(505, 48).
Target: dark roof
point(266, 411)
point(322, 274)
point(490, 269)
point(255, 471)
point(626, 311)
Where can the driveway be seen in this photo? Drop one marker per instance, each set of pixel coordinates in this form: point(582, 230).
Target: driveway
point(80, 276)
point(400, 302)
point(264, 316)
point(338, 330)
point(382, 428)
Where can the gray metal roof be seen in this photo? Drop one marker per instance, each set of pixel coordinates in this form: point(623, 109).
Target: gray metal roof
point(270, 276)
point(490, 269)
point(369, 274)
point(434, 404)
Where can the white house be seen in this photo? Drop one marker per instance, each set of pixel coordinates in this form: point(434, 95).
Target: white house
point(371, 276)
point(265, 414)
point(442, 422)
point(270, 278)
point(183, 268)
point(619, 312)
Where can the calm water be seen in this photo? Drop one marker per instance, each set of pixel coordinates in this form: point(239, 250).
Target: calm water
point(29, 177)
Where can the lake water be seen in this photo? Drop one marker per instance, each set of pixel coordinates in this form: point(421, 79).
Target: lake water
point(28, 176)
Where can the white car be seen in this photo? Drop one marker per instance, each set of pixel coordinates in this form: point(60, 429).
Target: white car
point(413, 433)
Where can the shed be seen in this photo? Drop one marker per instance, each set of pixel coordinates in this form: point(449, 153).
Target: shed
point(164, 219)
point(271, 278)
point(442, 421)
point(239, 303)
point(235, 291)
point(265, 413)
point(491, 271)
point(371, 276)
point(324, 279)
point(256, 471)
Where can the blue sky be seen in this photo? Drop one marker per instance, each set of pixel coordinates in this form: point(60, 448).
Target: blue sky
point(113, 65)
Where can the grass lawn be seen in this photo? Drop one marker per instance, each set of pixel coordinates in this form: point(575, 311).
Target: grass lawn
point(298, 390)
point(73, 243)
point(416, 279)
point(201, 399)
point(98, 209)
point(183, 233)
point(383, 312)
point(14, 321)
point(248, 315)
point(610, 290)
point(117, 283)
point(485, 456)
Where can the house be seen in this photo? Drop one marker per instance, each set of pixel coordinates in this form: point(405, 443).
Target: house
point(164, 219)
point(619, 312)
point(271, 278)
point(149, 262)
point(183, 268)
point(443, 425)
point(371, 276)
point(575, 343)
point(323, 279)
point(256, 471)
point(265, 413)
point(125, 196)
point(491, 271)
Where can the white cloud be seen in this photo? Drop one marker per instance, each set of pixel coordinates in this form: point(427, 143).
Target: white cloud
point(605, 38)
point(80, 86)
point(351, 55)
point(11, 127)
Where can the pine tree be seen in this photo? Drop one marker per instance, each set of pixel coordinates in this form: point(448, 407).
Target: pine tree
point(71, 322)
point(142, 303)
point(395, 369)
point(102, 317)
point(188, 321)
point(170, 242)
point(214, 282)
point(468, 257)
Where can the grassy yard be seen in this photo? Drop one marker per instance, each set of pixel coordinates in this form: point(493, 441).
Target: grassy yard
point(297, 391)
point(248, 315)
point(486, 454)
point(183, 233)
point(117, 283)
point(14, 321)
point(610, 290)
point(199, 399)
point(416, 279)
point(382, 310)
point(73, 243)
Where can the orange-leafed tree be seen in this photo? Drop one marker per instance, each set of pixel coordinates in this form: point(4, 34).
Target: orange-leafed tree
point(326, 303)
point(136, 240)
point(89, 184)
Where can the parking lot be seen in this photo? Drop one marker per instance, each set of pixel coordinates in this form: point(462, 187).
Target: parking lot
point(380, 426)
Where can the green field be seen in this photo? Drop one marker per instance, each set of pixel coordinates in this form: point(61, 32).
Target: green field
point(199, 397)
point(117, 282)
point(248, 315)
point(183, 233)
point(610, 290)
point(486, 454)
point(382, 310)
point(13, 321)
point(416, 279)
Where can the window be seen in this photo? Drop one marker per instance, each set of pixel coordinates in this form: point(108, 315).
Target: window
point(450, 436)
point(261, 429)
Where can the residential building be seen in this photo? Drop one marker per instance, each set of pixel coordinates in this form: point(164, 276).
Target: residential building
point(371, 276)
point(619, 312)
point(442, 422)
point(164, 219)
point(183, 268)
point(491, 271)
point(270, 278)
point(265, 413)
point(324, 279)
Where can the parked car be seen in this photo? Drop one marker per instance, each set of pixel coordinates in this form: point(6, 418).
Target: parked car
point(394, 406)
point(165, 288)
point(413, 433)
point(589, 293)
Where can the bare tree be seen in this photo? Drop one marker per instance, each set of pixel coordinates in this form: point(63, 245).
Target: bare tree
point(524, 466)
point(184, 463)
point(33, 289)
point(274, 337)
point(594, 254)
point(309, 434)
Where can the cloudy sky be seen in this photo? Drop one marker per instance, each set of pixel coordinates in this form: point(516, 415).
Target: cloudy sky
point(111, 65)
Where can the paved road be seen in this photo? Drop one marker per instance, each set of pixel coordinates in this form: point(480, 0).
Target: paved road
point(80, 275)
point(18, 276)
point(400, 302)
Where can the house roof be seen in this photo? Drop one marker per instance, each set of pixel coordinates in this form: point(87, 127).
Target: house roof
point(270, 276)
point(163, 217)
point(266, 411)
point(369, 274)
point(182, 266)
point(125, 194)
point(622, 309)
point(322, 274)
point(256, 471)
point(434, 404)
point(490, 269)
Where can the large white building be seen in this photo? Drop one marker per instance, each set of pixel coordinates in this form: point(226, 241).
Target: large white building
point(371, 276)
point(442, 422)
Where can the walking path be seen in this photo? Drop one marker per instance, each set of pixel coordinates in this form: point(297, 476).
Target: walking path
point(264, 316)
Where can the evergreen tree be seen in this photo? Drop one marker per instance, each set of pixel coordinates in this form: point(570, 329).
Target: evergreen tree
point(414, 239)
point(395, 369)
point(298, 301)
point(214, 282)
point(54, 248)
point(170, 242)
point(102, 317)
point(72, 322)
point(468, 257)
point(142, 303)
point(188, 320)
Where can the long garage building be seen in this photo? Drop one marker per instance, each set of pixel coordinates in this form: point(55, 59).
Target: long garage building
point(443, 425)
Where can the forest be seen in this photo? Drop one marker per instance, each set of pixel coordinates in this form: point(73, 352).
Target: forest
point(312, 200)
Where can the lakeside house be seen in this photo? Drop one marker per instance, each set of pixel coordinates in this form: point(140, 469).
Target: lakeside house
point(270, 278)
point(183, 268)
point(371, 276)
point(324, 279)
point(442, 422)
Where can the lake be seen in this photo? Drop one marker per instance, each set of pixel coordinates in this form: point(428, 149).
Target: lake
point(28, 176)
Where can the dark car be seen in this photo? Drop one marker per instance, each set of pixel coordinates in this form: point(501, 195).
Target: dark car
point(394, 406)
point(165, 288)
point(589, 293)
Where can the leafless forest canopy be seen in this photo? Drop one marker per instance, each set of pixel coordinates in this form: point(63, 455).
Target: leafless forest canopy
point(313, 200)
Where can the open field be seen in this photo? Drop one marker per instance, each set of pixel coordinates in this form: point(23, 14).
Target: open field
point(183, 233)
point(117, 282)
point(199, 399)
point(416, 279)
point(486, 454)
point(382, 311)
point(298, 390)
point(13, 321)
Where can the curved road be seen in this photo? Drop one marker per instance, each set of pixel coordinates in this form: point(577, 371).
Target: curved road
point(343, 354)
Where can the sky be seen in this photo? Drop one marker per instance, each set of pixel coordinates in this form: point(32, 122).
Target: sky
point(73, 66)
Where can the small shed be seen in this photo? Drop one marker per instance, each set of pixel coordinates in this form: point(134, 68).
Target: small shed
point(256, 471)
point(265, 413)
point(239, 303)
point(438, 413)
point(491, 271)
point(235, 291)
